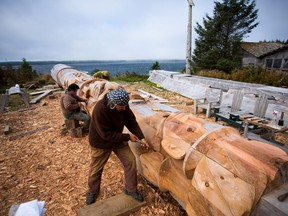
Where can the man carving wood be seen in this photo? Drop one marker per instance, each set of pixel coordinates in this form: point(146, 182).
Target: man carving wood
point(71, 105)
point(109, 117)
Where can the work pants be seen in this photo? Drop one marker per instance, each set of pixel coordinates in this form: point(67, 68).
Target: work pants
point(80, 116)
point(99, 157)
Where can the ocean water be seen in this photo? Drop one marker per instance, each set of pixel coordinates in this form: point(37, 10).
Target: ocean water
point(114, 67)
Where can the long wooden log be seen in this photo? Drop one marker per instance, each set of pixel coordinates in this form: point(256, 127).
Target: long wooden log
point(208, 168)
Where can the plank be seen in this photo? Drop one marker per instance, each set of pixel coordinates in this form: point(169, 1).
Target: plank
point(43, 91)
point(261, 122)
point(25, 109)
point(119, 205)
point(3, 102)
point(149, 95)
point(37, 93)
point(28, 133)
point(35, 100)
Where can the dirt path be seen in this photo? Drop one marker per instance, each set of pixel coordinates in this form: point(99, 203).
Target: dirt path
point(52, 167)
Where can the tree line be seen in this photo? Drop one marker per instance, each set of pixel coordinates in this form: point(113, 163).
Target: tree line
point(11, 76)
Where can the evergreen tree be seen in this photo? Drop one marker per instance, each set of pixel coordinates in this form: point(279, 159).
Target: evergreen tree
point(8, 77)
point(25, 65)
point(218, 42)
point(155, 66)
point(25, 72)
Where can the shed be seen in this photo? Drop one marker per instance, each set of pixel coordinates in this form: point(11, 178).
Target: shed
point(269, 55)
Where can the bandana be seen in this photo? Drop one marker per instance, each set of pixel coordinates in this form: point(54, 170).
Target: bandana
point(119, 97)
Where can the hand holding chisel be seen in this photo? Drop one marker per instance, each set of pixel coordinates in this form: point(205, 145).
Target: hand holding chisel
point(142, 142)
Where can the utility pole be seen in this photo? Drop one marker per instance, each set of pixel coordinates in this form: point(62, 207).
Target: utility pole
point(189, 37)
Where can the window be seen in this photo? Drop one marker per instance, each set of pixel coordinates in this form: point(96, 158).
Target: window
point(285, 65)
point(269, 63)
point(277, 63)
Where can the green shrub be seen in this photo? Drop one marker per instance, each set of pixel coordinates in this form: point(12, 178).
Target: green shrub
point(45, 79)
point(250, 75)
point(102, 75)
point(260, 76)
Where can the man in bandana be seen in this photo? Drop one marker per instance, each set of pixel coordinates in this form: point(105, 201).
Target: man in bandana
point(109, 117)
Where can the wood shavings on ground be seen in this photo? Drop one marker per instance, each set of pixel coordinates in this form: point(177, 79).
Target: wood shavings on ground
point(52, 167)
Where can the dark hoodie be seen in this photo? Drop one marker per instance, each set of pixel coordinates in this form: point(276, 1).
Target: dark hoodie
point(69, 103)
point(106, 126)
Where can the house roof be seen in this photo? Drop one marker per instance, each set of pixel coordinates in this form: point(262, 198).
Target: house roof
point(262, 48)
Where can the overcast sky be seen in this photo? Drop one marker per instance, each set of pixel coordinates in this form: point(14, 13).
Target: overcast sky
point(114, 29)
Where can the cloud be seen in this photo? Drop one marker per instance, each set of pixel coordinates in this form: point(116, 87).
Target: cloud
point(272, 21)
point(108, 30)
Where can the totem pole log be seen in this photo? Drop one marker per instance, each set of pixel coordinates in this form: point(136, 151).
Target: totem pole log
point(208, 168)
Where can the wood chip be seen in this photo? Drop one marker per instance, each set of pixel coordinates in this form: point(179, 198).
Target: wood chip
point(56, 172)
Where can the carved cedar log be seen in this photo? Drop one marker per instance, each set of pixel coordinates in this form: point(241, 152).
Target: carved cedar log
point(209, 169)
point(233, 173)
point(152, 124)
point(151, 163)
point(216, 191)
point(255, 162)
point(180, 131)
point(172, 179)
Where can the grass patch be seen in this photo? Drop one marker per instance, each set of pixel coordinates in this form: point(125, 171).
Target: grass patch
point(129, 77)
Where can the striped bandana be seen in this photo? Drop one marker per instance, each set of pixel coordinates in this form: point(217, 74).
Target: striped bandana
point(119, 97)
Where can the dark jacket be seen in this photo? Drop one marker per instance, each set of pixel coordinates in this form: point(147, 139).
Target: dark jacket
point(69, 103)
point(106, 126)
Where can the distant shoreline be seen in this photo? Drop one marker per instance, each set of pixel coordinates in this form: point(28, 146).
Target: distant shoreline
point(113, 66)
point(76, 61)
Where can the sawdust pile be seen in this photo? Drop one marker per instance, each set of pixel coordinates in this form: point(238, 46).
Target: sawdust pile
point(52, 167)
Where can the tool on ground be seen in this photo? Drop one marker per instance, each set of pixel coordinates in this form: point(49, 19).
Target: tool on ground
point(282, 197)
